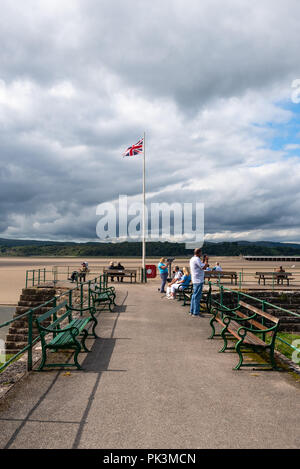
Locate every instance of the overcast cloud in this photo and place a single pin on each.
(209, 82)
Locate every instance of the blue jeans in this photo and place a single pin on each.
(163, 277)
(196, 298)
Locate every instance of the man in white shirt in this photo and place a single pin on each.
(197, 268)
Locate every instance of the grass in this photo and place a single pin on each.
(283, 348)
(7, 357)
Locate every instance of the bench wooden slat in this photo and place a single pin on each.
(233, 329)
(260, 312)
(251, 321)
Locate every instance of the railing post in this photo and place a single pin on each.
(240, 280)
(33, 278)
(26, 282)
(39, 276)
(81, 297)
(44, 274)
(89, 296)
(29, 352)
(221, 294)
(70, 298)
(263, 307)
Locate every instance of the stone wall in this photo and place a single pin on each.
(17, 337)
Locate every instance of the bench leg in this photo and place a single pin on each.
(85, 335)
(44, 358)
(211, 323)
(238, 350)
(77, 351)
(223, 332)
(272, 358)
(95, 323)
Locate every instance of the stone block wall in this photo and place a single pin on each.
(17, 337)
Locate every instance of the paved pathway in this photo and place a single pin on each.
(152, 381)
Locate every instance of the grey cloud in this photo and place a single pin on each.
(61, 157)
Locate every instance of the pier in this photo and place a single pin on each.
(152, 380)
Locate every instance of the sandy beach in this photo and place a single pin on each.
(13, 270)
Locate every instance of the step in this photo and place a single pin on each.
(15, 346)
(16, 337)
(16, 330)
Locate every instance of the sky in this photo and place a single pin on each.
(212, 83)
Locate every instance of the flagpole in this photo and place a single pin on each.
(144, 207)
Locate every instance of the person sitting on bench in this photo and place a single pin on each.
(217, 267)
(74, 276)
(180, 284)
(112, 267)
(178, 274)
(280, 277)
(120, 267)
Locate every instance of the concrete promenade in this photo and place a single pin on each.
(153, 380)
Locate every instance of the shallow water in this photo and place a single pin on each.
(6, 313)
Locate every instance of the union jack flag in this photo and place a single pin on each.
(135, 149)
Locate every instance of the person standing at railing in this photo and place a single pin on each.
(163, 271)
(83, 271)
(197, 268)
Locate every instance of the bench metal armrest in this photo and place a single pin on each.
(219, 307)
(238, 318)
(256, 331)
(58, 331)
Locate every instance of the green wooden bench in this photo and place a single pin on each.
(111, 291)
(246, 325)
(277, 277)
(68, 336)
(219, 275)
(105, 297)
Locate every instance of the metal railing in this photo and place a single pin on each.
(263, 304)
(100, 281)
(36, 277)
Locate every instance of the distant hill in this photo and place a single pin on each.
(34, 248)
